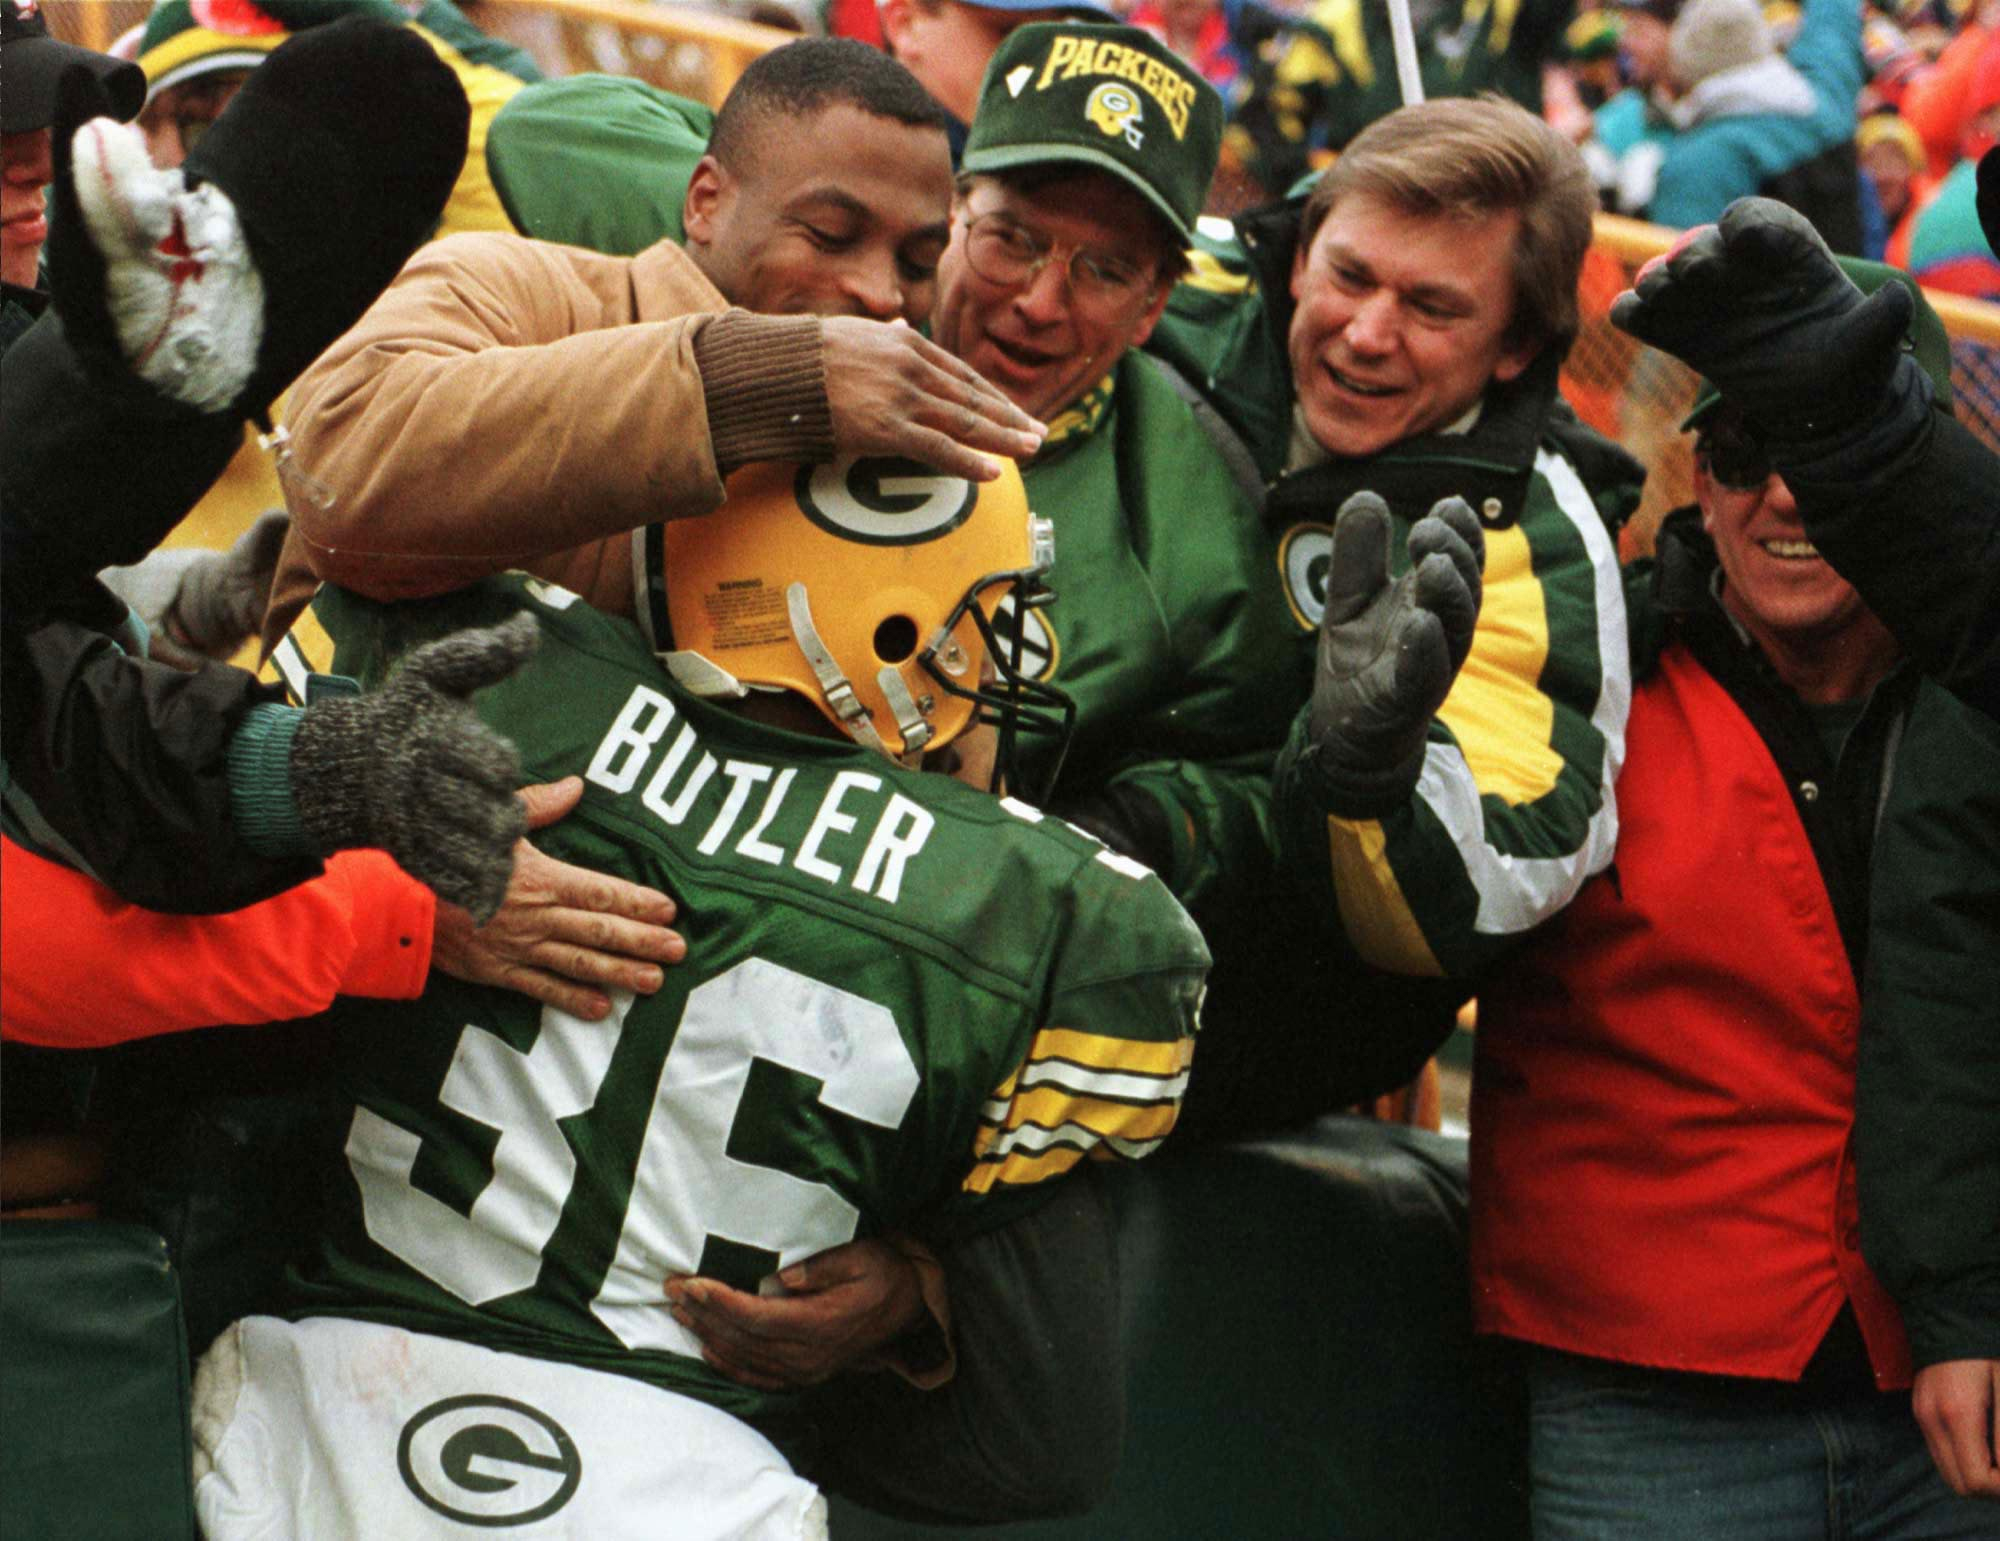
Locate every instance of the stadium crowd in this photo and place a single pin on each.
(813, 880)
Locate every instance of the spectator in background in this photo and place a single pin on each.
(947, 44)
(1947, 250)
(197, 54)
(35, 61)
(1745, 119)
(1894, 184)
(1807, 875)
(1331, 72)
(1197, 30)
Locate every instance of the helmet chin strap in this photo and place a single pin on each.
(840, 696)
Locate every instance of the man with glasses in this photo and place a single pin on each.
(1758, 1044)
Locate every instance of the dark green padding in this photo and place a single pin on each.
(93, 1385)
(1301, 1354)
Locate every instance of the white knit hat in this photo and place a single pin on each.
(1711, 36)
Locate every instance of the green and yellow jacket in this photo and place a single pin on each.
(1514, 808)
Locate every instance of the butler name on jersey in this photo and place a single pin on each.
(906, 1004)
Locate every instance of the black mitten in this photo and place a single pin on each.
(339, 154)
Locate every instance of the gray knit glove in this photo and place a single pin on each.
(1389, 649)
(199, 605)
(410, 769)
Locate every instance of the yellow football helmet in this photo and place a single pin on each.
(868, 586)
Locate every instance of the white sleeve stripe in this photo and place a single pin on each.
(1033, 1139)
(1119, 1086)
(1132, 1150)
(1517, 893)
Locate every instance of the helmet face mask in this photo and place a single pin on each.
(870, 587)
(1011, 699)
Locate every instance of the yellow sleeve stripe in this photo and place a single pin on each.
(1094, 1052)
(1501, 719)
(1208, 274)
(1373, 910)
(1020, 1170)
(1039, 1115)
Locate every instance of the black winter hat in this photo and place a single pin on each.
(339, 154)
(34, 62)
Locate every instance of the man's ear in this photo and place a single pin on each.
(1513, 360)
(895, 17)
(707, 188)
(1704, 494)
(1299, 255)
(1151, 317)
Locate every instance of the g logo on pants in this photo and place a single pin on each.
(488, 1461)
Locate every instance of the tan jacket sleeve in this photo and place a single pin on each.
(505, 401)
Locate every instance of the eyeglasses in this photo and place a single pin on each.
(1734, 455)
(1003, 251)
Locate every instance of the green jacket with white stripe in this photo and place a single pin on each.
(1514, 808)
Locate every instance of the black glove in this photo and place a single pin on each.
(409, 768)
(1129, 822)
(1389, 650)
(219, 281)
(1758, 305)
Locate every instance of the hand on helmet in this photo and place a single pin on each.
(894, 392)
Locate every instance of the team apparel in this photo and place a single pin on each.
(1513, 810)
(1170, 629)
(349, 1431)
(907, 1005)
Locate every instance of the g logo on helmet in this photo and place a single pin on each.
(488, 1461)
(1116, 111)
(882, 501)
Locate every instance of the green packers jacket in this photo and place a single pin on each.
(1514, 807)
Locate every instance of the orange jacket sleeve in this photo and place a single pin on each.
(84, 969)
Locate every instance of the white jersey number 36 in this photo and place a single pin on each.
(687, 1186)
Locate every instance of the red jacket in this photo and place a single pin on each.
(1663, 1107)
(84, 969)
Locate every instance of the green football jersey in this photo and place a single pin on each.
(906, 1005)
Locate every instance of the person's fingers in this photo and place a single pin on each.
(940, 451)
(560, 884)
(964, 383)
(554, 990)
(1441, 590)
(1764, 236)
(1882, 319)
(587, 966)
(595, 931)
(1423, 661)
(473, 659)
(1358, 564)
(548, 801)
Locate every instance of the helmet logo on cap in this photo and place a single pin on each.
(882, 501)
(1304, 557)
(1116, 111)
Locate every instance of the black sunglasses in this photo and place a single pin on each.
(1734, 455)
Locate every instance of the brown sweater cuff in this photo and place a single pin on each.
(764, 381)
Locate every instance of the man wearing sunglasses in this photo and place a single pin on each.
(1758, 1045)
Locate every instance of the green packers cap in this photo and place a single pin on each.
(1926, 338)
(1113, 98)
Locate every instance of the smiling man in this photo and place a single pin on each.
(617, 392)
(1399, 331)
(1804, 891)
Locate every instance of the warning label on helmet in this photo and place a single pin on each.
(744, 613)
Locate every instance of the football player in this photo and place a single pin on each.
(910, 1009)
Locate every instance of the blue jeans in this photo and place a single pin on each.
(1623, 1453)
